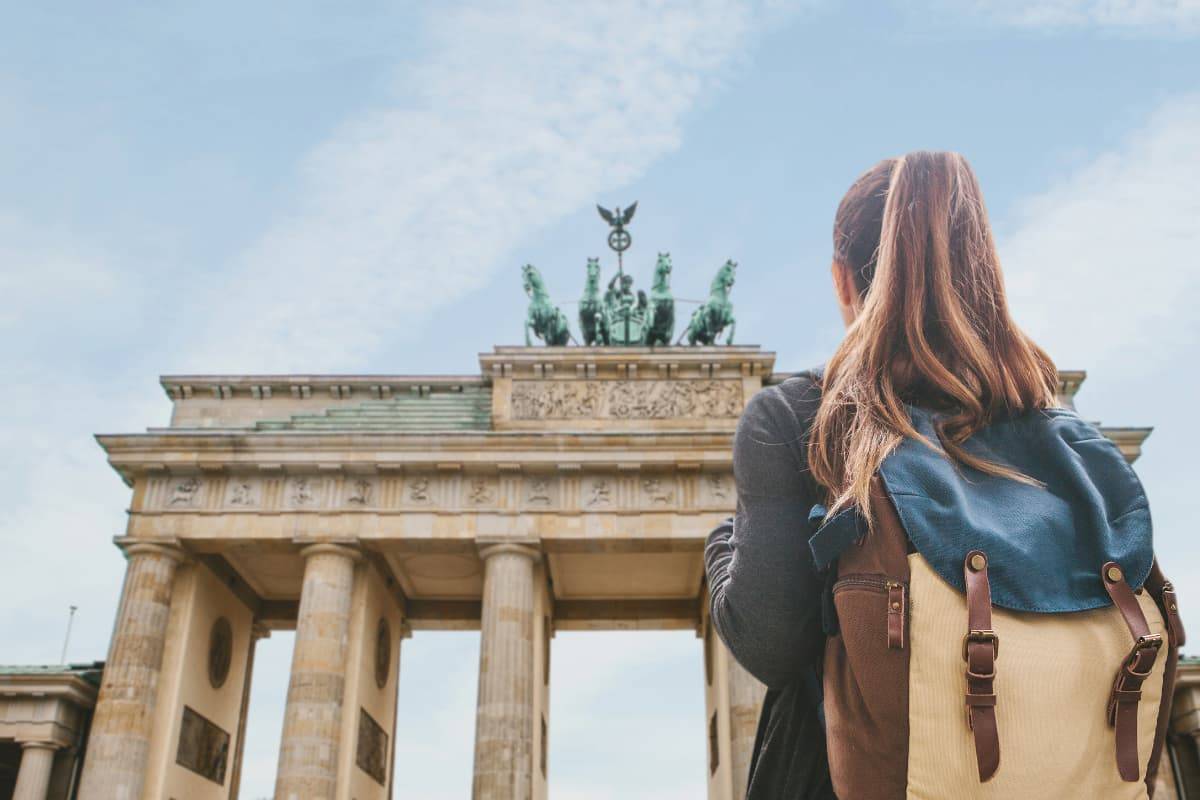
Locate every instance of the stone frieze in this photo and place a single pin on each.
(626, 399)
(440, 491)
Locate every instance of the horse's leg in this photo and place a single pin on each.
(528, 340)
(732, 326)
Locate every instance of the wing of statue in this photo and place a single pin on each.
(608, 217)
(627, 217)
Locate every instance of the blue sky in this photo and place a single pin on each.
(270, 187)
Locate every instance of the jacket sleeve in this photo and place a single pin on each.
(764, 590)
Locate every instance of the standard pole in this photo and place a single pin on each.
(67, 638)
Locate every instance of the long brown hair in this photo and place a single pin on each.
(933, 330)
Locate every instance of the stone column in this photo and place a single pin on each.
(308, 752)
(119, 742)
(33, 779)
(504, 712)
(745, 702)
(257, 631)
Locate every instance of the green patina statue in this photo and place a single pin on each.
(710, 319)
(623, 317)
(624, 312)
(543, 319)
(593, 326)
(662, 304)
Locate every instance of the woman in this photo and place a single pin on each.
(947, 504)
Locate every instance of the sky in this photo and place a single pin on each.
(270, 187)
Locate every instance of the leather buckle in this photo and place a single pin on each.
(984, 637)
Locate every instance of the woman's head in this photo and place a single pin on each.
(856, 229)
(928, 324)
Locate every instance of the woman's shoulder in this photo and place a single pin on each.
(785, 410)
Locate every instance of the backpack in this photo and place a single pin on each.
(988, 641)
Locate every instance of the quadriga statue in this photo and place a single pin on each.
(662, 304)
(716, 314)
(593, 325)
(543, 319)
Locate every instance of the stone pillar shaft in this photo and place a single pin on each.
(33, 779)
(119, 742)
(745, 702)
(308, 753)
(504, 714)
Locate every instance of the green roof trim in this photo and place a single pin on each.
(465, 409)
(89, 671)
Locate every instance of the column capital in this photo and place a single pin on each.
(522, 548)
(349, 550)
(38, 744)
(169, 548)
(259, 631)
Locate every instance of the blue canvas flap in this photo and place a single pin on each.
(1045, 546)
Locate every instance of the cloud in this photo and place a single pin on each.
(518, 114)
(1174, 15)
(1102, 270)
(1103, 264)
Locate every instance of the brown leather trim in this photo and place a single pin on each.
(866, 677)
(980, 649)
(1164, 594)
(895, 616)
(1137, 666)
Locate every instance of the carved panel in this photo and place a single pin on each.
(542, 399)
(480, 492)
(184, 492)
(243, 493)
(718, 490)
(303, 492)
(658, 491)
(418, 491)
(371, 756)
(599, 493)
(540, 491)
(203, 747)
(360, 493)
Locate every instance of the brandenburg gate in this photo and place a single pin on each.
(560, 488)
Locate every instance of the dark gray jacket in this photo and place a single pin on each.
(766, 593)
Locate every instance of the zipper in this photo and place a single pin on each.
(880, 583)
(896, 593)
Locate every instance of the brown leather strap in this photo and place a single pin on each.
(895, 615)
(1135, 668)
(980, 650)
(1164, 591)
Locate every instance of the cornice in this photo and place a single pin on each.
(338, 387)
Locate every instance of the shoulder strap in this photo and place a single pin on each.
(980, 649)
(1137, 666)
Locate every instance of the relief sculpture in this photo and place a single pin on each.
(626, 399)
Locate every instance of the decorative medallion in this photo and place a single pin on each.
(220, 652)
(383, 653)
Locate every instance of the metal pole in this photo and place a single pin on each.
(67, 639)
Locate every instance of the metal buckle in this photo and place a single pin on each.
(983, 636)
(1150, 640)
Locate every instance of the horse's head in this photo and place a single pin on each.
(534, 286)
(593, 270)
(662, 270)
(723, 281)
